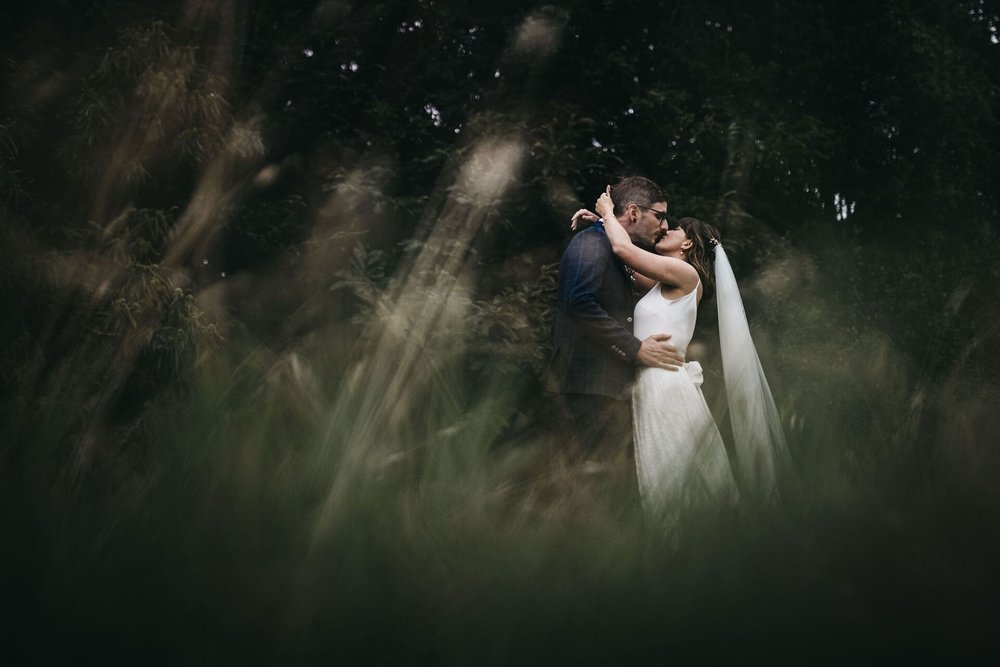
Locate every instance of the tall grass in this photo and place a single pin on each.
(370, 503)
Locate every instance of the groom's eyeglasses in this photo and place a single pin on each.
(660, 215)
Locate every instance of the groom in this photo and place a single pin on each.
(595, 354)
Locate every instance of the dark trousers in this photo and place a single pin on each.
(598, 436)
(599, 428)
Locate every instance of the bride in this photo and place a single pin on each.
(681, 461)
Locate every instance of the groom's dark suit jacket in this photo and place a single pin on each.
(594, 351)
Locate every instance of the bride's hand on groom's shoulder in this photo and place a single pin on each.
(582, 218)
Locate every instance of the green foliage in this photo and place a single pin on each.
(148, 100)
(14, 195)
(512, 328)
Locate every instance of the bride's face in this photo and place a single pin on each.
(672, 242)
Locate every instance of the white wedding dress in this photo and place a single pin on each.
(680, 458)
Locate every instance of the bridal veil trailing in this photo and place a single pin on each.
(761, 450)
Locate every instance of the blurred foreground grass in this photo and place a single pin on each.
(393, 487)
(368, 503)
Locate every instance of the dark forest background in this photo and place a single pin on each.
(276, 293)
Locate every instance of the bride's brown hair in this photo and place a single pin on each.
(701, 254)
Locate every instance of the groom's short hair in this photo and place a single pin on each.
(635, 190)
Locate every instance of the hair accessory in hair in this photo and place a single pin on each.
(712, 241)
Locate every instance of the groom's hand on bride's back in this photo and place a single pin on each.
(656, 351)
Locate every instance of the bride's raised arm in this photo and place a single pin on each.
(667, 270)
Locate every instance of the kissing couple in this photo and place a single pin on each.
(629, 289)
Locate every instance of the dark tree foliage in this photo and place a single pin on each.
(874, 123)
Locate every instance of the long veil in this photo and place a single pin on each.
(761, 450)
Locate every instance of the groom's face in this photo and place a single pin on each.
(650, 224)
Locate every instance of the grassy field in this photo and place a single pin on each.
(367, 501)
